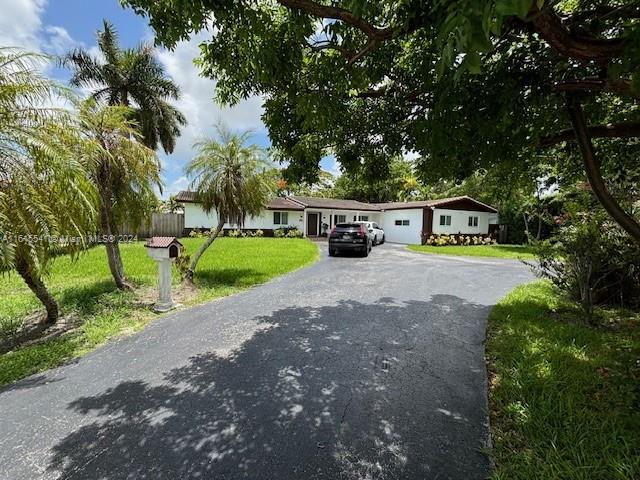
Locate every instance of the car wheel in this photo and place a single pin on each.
(375, 240)
(332, 253)
(365, 253)
(382, 239)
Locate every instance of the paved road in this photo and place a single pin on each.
(349, 369)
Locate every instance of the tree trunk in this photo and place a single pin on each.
(188, 277)
(539, 234)
(110, 237)
(594, 175)
(37, 286)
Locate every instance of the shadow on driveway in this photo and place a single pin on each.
(350, 391)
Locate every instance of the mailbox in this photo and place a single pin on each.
(164, 250)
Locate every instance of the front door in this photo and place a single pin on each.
(312, 224)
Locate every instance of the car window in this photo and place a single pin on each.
(375, 225)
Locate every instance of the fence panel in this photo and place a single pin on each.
(162, 225)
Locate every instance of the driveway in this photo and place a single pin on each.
(352, 368)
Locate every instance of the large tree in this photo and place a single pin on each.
(131, 78)
(468, 84)
(232, 179)
(46, 198)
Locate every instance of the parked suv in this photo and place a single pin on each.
(351, 237)
(376, 232)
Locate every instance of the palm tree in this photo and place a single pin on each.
(45, 194)
(124, 171)
(230, 177)
(133, 78)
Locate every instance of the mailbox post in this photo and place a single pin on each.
(164, 250)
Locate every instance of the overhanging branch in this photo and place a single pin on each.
(614, 130)
(551, 28)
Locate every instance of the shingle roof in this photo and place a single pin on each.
(277, 203)
(441, 202)
(186, 196)
(338, 204)
(299, 203)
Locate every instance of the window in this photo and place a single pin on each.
(280, 218)
(375, 225)
(473, 221)
(341, 218)
(402, 223)
(445, 220)
(398, 223)
(363, 218)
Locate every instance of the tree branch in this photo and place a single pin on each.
(589, 85)
(614, 130)
(338, 13)
(592, 168)
(551, 28)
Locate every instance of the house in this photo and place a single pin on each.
(403, 222)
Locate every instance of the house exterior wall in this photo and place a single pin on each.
(402, 233)
(195, 217)
(460, 221)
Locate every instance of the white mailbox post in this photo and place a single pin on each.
(164, 250)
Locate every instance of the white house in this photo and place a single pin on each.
(403, 222)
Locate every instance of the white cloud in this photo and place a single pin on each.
(20, 23)
(198, 106)
(181, 183)
(58, 40)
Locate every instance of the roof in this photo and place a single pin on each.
(277, 203)
(161, 242)
(441, 202)
(338, 204)
(300, 203)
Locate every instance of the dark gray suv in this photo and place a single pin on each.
(350, 237)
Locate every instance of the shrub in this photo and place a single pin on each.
(439, 240)
(234, 233)
(279, 233)
(593, 261)
(196, 233)
(294, 233)
(256, 233)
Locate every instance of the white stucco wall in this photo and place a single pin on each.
(402, 234)
(460, 221)
(194, 217)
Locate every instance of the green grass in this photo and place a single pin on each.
(564, 398)
(501, 251)
(86, 291)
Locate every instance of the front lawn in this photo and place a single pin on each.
(501, 251)
(88, 297)
(564, 398)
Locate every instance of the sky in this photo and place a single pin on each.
(57, 26)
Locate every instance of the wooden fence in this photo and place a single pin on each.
(162, 225)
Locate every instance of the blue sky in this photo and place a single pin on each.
(56, 26)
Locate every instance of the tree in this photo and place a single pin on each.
(467, 84)
(124, 172)
(133, 78)
(171, 205)
(46, 199)
(231, 178)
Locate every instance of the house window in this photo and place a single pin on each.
(445, 220)
(473, 221)
(402, 223)
(341, 219)
(280, 218)
(363, 218)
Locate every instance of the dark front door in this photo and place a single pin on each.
(312, 224)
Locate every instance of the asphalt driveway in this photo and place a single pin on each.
(349, 369)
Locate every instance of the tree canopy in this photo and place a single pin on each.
(468, 84)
